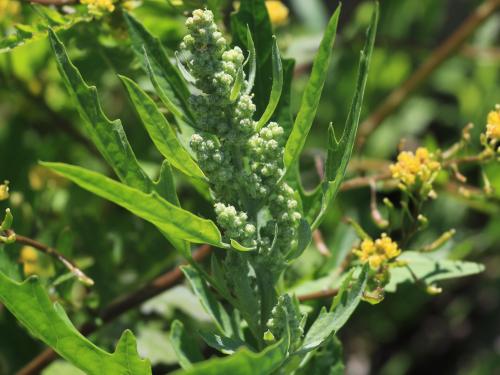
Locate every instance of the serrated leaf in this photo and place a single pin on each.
(161, 131)
(186, 349)
(30, 304)
(26, 33)
(154, 61)
(243, 362)
(213, 307)
(276, 88)
(108, 136)
(428, 270)
(151, 207)
(343, 306)
(312, 95)
(339, 152)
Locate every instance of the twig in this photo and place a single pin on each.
(438, 56)
(320, 244)
(327, 293)
(117, 308)
(375, 213)
(51, 2)
(54, 254)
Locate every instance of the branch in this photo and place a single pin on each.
(438, 56)
(52, 2)
(54, 254)
(118, 308)
(327, 293)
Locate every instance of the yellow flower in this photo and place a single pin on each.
(9, 8)
(29, 258)
(4, 191)
(377, 252)
(411, 168)
(99, 6)
(493, 124)
(278, 12)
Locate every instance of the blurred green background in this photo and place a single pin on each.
(456, 332)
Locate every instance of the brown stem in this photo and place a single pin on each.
(52, 2)
(327, 293)
(117, 308)
(320, 244)
(437, 57)
(54, 254)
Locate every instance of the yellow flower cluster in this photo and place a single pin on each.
(278, 12)
(99, 6)
(377, 252)
(29, 259)
(493, 124)
(4, 191)
(411, 167)
(9, 8)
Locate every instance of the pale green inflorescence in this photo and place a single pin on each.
(243, 165)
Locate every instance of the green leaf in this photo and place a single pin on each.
(312, 95)
(243, 362)
(252, 58)
(108, 136)
(38, 29)
(339, 152)
(167, 80)
(237, 246)
(213, 307)
(276, 88)
(253, 15)
(30, 304)
(343, 306)
(161, 131)
(169, 218)
(304, 239)
(428, 270)
(223, 344)
(186, 349)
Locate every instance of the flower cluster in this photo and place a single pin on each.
(377, 252)
(278, 12)
(285, 314)
(243, 163)
(9, 8)
(235, 224)
(4, 191)
(98, 7)
(412, 169)
(493, 125)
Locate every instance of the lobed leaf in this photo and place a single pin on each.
(339, 152)
(169, 218)
(164, 75)
(30, 304)
(108, 136)
(243, 362)
(312, 95)
(343, 306)
(161, 131)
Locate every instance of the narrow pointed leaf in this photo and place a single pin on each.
(344, 304)
(252, 58)
(186, 349)
(108, 136)
(276, 88)
(30, 304)
(312, 94)
(213, 307)
(160, 131)
(169, 218)
(155, 62)
(339, 152)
